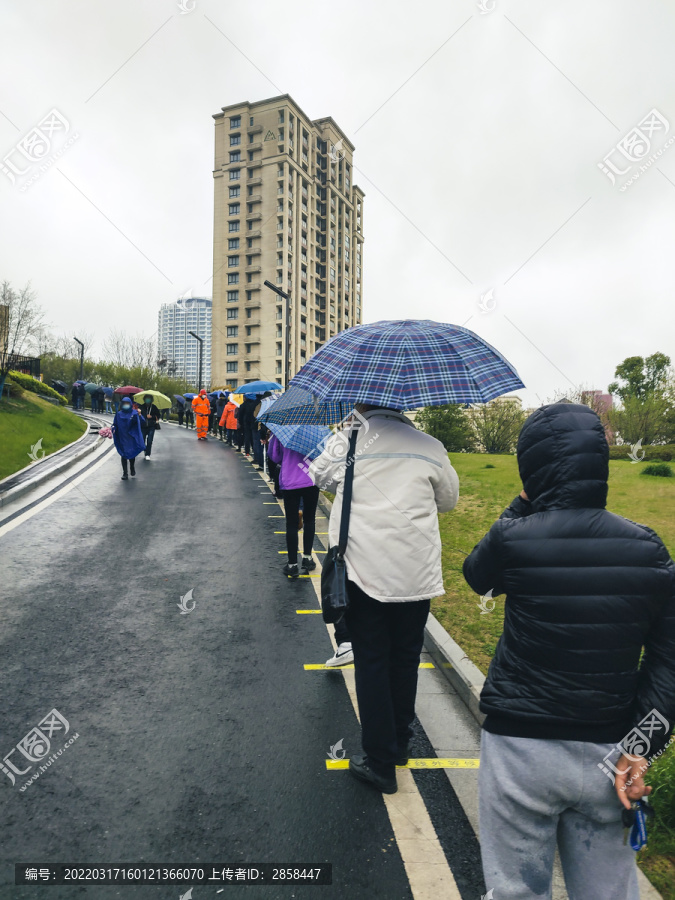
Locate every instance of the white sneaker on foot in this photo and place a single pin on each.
(343, 656)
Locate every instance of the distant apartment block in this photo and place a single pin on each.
(286, 210)
(178, 350)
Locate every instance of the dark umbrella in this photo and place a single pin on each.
(180, 399)
(128, 391)
(108, 391)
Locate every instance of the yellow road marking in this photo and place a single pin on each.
(278, 517)
(434, 762)
(316, 551)
(315, 666)
(283, 532)
(308, 612)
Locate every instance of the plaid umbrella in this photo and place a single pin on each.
(300, 407)
(405, 364)
(306, 439)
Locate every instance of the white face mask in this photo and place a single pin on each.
(126, 406)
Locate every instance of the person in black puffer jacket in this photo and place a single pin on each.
(567, 696)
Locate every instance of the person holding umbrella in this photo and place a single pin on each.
(221, 402)
(228, 421)
(149, 420)
(180, 407)
(402, 479)
(127, 435)
(202, 410)
(189, 415)
(297, 487)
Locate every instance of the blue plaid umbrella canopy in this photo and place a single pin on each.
(403, 364)
(306, 439)
(300, 407)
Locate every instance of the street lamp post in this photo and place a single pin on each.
(287, 301)
(201, 355)
(81, 356)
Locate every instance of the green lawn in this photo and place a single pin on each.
(484, 494)
(24, 420)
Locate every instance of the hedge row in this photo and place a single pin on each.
(665, 452)
(28, 383)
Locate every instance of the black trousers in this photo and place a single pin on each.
(310, 499)
(387, 641)
(148, 436)
(125, 463)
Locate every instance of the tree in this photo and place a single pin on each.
(449, 424)
(20, 322)
(496, 425)
(647, 395)
(593, 399)
(641, 377)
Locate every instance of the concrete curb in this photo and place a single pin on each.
(14, 493)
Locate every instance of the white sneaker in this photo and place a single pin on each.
(147, 459)
(343, 656)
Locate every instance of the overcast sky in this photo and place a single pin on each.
(478, 132)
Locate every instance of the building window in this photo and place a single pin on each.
(232, 296)
(249, 312)
(235, 121)
(235, 139)
(234, 209)
(232, 367)
(234, 226)
(235, 174)
(235, 191)
(233, 244)
(232, 349)
(233, 261)
(233, 278)
(250, 121)
(281, 116)
(235, 156)
(232, 330)
(233, 314)
(249, 295)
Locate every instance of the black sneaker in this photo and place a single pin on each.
(308, 564)
(359, 767)
(403, 757)
(291, 570)
(125, 477)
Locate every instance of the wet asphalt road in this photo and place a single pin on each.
(200, 736)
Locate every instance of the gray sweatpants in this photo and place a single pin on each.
(536, 793)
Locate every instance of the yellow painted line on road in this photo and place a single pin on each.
(268, 503)
(308, 612)
(312, 667)
(277, 517)
(283, 532)
(316, 551)
(435, 762)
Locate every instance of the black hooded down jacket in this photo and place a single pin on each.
(585, 589)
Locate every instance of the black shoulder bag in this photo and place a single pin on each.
(334, 598)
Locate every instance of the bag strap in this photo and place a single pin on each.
(347, 494)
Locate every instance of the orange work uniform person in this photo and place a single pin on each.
(202, 409)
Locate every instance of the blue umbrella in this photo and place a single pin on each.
(258, 387)
(189, 396)
(108, 391)
(406, 364)
(298, 406)
(306, 439)
(180, 399)
(219, 393)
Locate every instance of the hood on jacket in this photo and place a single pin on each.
(563, 458)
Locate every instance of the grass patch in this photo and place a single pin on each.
(25, 419)
(483, 497)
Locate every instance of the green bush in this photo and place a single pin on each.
(661, 469)
(28, 383)
(665, 452)
(489, 466)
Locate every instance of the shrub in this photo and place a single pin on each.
(661, 469)
(665, 452)
(28, 383)
(489, 466)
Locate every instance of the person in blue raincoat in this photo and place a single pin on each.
(128, 437)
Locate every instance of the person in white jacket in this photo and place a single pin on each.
(402, 479)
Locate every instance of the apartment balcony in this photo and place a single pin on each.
(254, 129)
(253, 251)
(252, 304)
(252, 217)
(253, 234)
(252, 340)
(254, 198)
(251, 269)
(253, 286)
(256, 146)
(254, 181)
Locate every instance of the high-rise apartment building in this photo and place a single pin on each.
(175, 343)
(287, 211)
